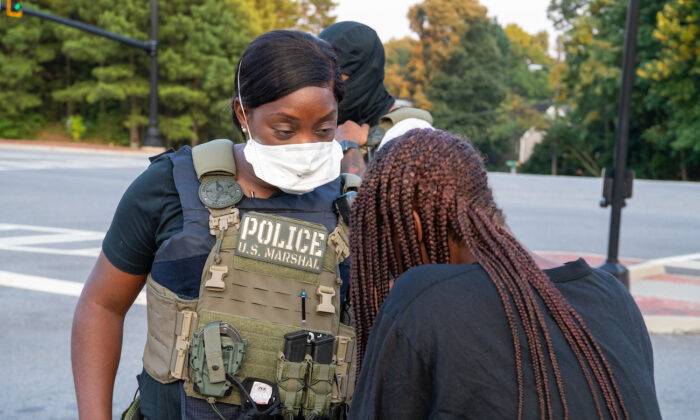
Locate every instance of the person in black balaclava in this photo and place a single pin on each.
(361, 58)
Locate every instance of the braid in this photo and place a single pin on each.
(443, 179)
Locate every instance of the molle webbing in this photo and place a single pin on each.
(265, 339)
(262, 301)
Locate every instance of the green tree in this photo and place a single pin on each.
(200, 46)
(527, 67)
(315, 15)
(467, 89)
(396, 77)
(117, 74)
(675, 73)
(590, 85)
(24, 51)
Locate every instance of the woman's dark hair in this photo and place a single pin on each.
(280, 62)
(443, 179)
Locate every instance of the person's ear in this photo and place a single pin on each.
(238, 112)
(419, 234)
(419, 227)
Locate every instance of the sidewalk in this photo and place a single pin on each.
(667, 290)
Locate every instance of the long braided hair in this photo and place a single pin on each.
(443, 179)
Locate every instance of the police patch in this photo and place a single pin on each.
(281, 240)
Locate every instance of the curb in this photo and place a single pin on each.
(81, 148)
(680, 264)
(659, 324)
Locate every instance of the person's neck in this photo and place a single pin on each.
(459, 252)
(245, 176)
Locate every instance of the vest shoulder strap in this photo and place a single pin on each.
(394, 117)
(215, 156)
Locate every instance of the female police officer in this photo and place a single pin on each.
(239, 250)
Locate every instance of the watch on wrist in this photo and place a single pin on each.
(348, 144)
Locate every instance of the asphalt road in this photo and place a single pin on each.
(55, 207)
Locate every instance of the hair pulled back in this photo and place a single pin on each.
(281, 62)
(444, 180)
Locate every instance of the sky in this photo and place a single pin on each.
(389, 17)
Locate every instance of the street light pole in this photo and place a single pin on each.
(153, 134)
(621, 179)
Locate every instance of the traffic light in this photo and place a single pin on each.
(14, 8)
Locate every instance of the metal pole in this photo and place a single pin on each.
(89, 28)
(153, 134)
(612, 265)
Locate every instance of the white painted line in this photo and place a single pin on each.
(34, 228)
(51, 239)
(86, 252)
(28, 243)
(49, 285)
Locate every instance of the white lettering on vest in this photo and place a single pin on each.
(245, 232)
(261, 232)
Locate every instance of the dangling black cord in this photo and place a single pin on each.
(253, 411)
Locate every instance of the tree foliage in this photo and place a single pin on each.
(474, 75)
(675, 76)
(663, 135)
(52, 72)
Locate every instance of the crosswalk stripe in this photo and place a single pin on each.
(49, 285)
(85, 252)
(51, 235)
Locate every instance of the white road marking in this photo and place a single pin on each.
(49, 285)
(52, 235)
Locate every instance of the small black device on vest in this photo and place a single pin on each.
(342, 205)
(295, 345)
(322, 349)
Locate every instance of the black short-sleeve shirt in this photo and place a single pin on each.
(148, 213)
(441, 348)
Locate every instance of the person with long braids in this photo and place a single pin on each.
(473, 327)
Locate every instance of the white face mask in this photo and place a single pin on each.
(295, 168)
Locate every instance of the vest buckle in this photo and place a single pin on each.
(216, 282)
(325, 294)
(222, 223)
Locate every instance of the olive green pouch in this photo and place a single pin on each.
(213, 355)
(317, 401)
(133, 412)
(291, 382)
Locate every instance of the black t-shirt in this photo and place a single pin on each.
(441, 347)
(148, 213)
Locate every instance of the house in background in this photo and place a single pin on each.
(533, 136)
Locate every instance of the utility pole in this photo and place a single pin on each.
(617, 182)
(153, 134)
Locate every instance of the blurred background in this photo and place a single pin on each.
(532, 83)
